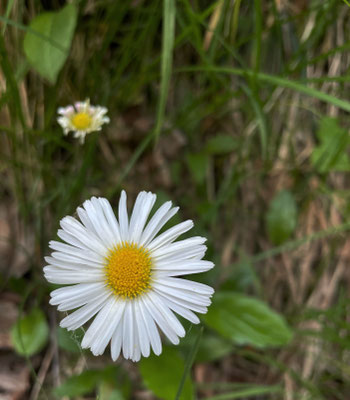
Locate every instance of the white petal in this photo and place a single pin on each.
(128, 337)
(159, 219)
(76, 229)
(194, 253)
(97, 218)
(136, 350)
(184, 312)
(123, 217)
(67, 276)
(158, 317)
(141, 328)
(142, 208)
(185, 284)
(83, 314)
(63, 261)
(170, 235)
(167, 314)
(112, 220)
(116, 342)
(84, 218)
(78, 252)
(151, 328)
(184, 302)
(183, 267)
(195, 298)
(76, 257)
(104, 326)
(98, 325)
(70, 297)
(178, 247)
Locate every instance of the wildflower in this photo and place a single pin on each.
(82, 119)
(127, 275)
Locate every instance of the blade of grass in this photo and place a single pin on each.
(189, 362)
(260, 118)
(275, 80)
(169, 12)
(293, 244)
(236, 6)
(7, 69)
(137, 154)
(248, 392)
(257, 36)
(7, 13)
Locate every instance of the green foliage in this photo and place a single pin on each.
(213, 75)
(48, 41)
(246, 320)
(30, 333)
(211, 346)
(105, 380)
(330, 154)
(162, 374)
(281, 218)
(69, 341)
(198, 164)
(221, 144)
(108, 391)
(78, 385)
(247, 391)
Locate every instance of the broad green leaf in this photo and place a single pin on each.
(331, 152)
(242, 277)
(162, 374)
(221, 144)
(48, 48)
(30, 334)
(78, 385)
(213, 348)
(69, 341)
(281, 217)
(247, 320)
(198, 164)
(107, 391)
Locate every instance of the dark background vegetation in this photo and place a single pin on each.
(238, 112)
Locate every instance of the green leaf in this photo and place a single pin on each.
(281, 217)
(246, 320)
(211, 346)
(198, 164)
(78, 385)
(331, 152)
(30, 334)
(162, 374)
(69, 341)
(221, 144)
(107, 391)
(48, 40)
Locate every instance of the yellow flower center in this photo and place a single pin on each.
(128, 270)
(81, 121)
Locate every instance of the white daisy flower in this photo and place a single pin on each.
(127, 277)
(82, 119)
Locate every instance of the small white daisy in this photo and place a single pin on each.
(127, 275)
(82, 119)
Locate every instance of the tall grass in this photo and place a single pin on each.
(218, 106)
